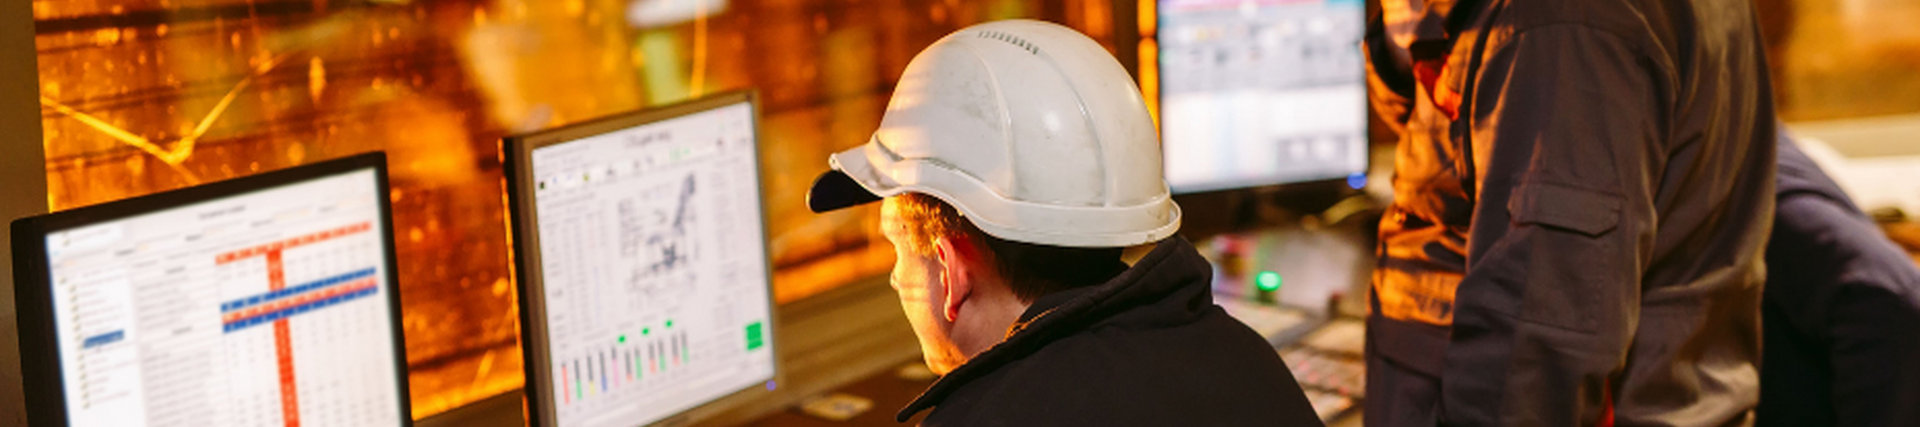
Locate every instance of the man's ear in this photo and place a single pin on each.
(958, 261)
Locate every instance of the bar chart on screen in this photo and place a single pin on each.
(625, 368)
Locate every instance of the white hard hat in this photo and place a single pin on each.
(1030, 129)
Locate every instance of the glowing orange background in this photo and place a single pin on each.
(141, 96)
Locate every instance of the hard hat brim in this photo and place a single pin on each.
(871, 172)
(835, 190)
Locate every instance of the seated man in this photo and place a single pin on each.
(1016, 159)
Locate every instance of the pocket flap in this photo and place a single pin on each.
(1589, 212)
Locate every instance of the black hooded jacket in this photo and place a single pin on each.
(1148, 348)
(1840, 307)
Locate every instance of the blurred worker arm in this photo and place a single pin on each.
(1391, 86)
(1851, 294)
(1567, 138)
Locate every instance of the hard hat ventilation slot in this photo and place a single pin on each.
(1009, 39)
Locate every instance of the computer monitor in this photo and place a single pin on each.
(261, 301)
(1261, 93)
(640, 244)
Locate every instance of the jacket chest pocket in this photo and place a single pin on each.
(1570, 256)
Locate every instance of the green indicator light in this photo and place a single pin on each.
(623, 339)
(669, 323)
(646, 331)
(1267, 281)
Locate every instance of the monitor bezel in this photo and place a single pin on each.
(524, 222)
(1220, 186)
(33, 296)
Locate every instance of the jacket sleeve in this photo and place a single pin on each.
(1837, 279)
(1567, 133)
(1390, 89)
(1875, 380)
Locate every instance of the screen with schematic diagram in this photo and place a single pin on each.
(1260, 93)
(653, 277)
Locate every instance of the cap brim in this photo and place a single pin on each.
(836, 190)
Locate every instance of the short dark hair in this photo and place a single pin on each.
(1031, 270)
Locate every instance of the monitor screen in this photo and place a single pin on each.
(652, 289)
(267, 307)
(1259, 93)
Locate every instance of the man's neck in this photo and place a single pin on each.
(996, 315)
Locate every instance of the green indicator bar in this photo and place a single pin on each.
(756, 336)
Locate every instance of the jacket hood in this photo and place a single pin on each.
(1169, 286)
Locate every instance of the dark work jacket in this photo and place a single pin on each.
(1842, 311)
(1582, 197)
(1147, 348)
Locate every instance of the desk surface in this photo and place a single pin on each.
(888, 391)
(1907, 235)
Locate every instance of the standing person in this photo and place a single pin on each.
(1582, 197)
(1016, 160)
(1841, 310)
